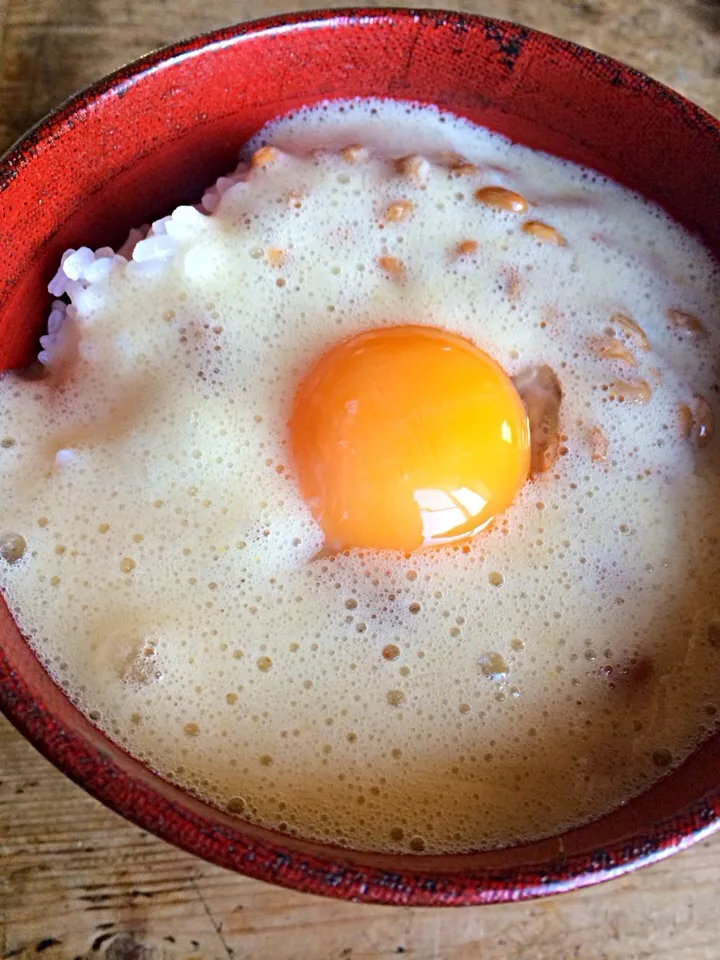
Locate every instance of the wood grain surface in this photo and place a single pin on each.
(76, 881)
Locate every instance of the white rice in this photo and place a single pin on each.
(145, 249)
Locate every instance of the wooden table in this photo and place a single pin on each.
(78, 882)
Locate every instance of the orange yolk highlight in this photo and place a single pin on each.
(407, 436)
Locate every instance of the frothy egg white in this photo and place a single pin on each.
(161, 562)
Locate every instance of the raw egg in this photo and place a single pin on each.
(407, 436)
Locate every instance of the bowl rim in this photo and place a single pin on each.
(177, 817)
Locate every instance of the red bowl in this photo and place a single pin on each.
(151, 136)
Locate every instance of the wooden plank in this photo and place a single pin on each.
(75, 873)
(78, 882)
(40, 68)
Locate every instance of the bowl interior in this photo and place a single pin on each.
(153, 136)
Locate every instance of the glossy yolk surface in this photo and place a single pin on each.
(407, 436)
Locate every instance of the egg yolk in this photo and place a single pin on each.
(407, 436)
